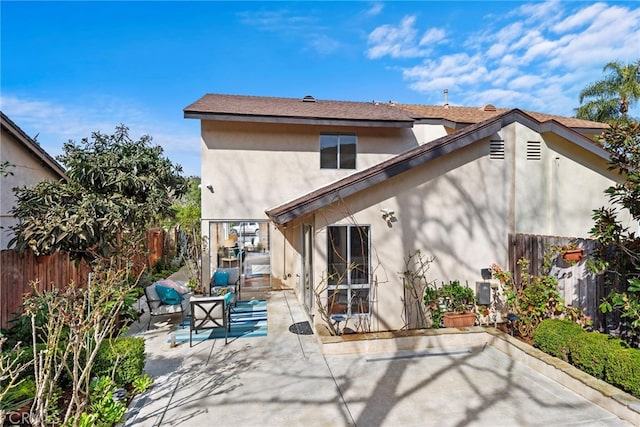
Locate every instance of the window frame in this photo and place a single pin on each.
(340, 153)
(335, 287)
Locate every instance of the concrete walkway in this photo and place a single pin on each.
(285, 380)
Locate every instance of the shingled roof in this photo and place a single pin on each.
(296, 110)
(308, 110)
(418, 156)
(464, 116)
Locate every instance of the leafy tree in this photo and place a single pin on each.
(619, 253)
(4, 169)
(116, 187)
(610, 99)
(188, 212)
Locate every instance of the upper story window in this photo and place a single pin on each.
(338, 151)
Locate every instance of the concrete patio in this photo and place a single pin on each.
(284, 379)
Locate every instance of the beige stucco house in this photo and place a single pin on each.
(29, 164)
(344, 192)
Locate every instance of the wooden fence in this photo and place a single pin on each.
(19, 270)
(577, 285)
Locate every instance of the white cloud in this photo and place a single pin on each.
(450, 72)
(537, 13)
(290, 25)
(499, 76)
(497, 50)
(524, 82)
(402, 41)
(433, 35)
(375, 9)
(582, 18)
(323, 44)
(539, 54)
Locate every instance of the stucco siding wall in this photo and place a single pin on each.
(459, 208)
(27, 170)
(556, 194)
(253, 167)
(427, 133)
(449, 210)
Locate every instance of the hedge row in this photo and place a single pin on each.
(600, 355)
(122, 358)
(124, 355)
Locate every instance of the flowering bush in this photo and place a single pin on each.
(534, 299)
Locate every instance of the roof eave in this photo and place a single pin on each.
(317, 121)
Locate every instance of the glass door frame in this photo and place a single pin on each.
(307, 267)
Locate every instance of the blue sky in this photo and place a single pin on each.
(71, 68)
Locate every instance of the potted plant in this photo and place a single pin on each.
(573, 254)
(193, 286)
(458, 303)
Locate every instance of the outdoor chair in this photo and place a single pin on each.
(228, 278)
(210, 313)
(159, 306)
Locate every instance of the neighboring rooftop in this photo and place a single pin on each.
(463, 116)
(31, 145)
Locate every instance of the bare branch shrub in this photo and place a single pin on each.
(417, 311)
(79, 320)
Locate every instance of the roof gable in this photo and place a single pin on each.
(418, 156)
(31, 145)
(307, 110)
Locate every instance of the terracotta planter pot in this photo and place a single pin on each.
(573, 255)
(459, 320)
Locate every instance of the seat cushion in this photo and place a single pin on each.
(180, 288)
(234, 274)
(220, 278)
(168, 295)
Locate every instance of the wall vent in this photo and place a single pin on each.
(534, 151)
(496, 149)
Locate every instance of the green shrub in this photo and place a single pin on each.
(553, 336)
(623, 370)
(590, 352)
(121, 359)
(18, 395)
(103, 410)
(142, 384)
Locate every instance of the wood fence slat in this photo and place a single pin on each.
(20, 269)
(577, 285)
